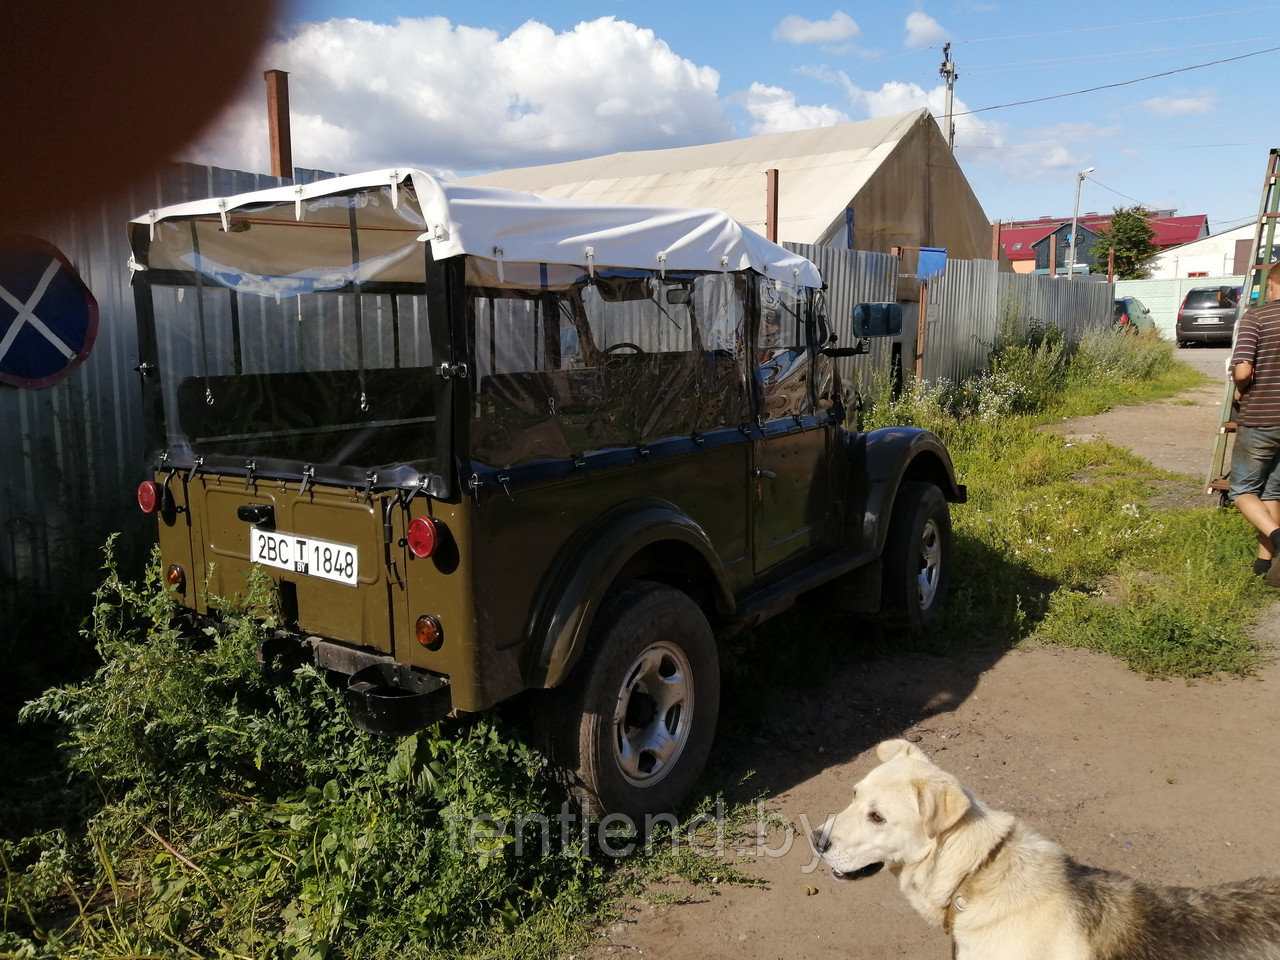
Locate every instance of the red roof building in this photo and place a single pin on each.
(1021, 239)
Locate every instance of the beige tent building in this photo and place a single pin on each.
(891, 181)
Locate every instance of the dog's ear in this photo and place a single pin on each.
(889, 749)
(942, 803)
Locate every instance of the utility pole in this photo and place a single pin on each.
(1075, 223)
(948, 71)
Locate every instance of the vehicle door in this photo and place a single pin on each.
(794, 508)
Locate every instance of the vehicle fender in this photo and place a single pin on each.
(591, 560)
(884, 460)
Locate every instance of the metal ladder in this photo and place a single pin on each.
(1255, 286)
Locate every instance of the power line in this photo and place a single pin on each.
(1144, 205)
(1098, 59)
(1120, 83)
(1148, 206)
(1118, 26)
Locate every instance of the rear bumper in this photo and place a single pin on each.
(382, 695)
(1205, 334)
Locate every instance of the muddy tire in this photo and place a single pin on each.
(917, 557)
(633, 725)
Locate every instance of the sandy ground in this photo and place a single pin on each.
(1169, 781)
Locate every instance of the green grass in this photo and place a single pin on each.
(195, 810)
(1061, 543)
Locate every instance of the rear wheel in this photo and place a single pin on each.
(632, 728)
(917, 557)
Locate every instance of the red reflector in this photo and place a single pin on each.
(148, 496)
(430, 634)
(422, 536)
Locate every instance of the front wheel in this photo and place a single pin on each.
(633, 726)
(917, 557)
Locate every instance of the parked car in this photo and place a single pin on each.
(484, 443)
(1208, 315)
(1132, 314)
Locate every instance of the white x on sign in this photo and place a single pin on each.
(26, 314)
(48, 316)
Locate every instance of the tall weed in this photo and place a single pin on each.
(233, 817)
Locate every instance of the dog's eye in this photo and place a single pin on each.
(875, 817)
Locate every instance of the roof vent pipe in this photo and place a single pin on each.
(278, 123)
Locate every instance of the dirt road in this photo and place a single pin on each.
(1170, 781)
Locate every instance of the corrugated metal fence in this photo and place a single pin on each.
(71, 453)
(964, 308)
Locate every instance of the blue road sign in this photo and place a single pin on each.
(48, 317)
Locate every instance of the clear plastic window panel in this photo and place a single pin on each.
(297, 340)
(783, 367)
(597, 362)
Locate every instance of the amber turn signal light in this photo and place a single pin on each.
(430, 633)
(176, 578)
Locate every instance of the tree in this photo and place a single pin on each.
(1129, 233)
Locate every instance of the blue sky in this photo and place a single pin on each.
(461, 88)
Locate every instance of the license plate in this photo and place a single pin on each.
(1207, 320)
(305, 555)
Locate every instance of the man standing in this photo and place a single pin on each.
(1255, 457)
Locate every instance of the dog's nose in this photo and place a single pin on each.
(821, 843)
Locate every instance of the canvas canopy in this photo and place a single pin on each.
(870, 185)
(510, 226)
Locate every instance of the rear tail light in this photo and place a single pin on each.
(422, 536)
(149, 496)
(430, 633)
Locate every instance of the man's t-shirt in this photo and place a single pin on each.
(1258, 343)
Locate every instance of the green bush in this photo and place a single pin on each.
(235, 817)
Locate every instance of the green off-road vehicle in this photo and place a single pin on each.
(485, 443)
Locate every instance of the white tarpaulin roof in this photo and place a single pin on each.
(507, 225)
(895, 174)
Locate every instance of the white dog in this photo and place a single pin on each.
(1003, 893)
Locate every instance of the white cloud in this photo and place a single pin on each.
(922, 30)
(775, 111)
(1179, 106)
(896, 97)
(839, 26)
(1053, 154)
(454, 98)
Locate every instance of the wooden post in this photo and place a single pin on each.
(995, 239)
(921, 316)
(1111, 264)
(771, 204)
(278, 123)
(1053, 254)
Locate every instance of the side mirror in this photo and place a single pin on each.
(877, 320)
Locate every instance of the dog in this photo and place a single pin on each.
(1001, 892)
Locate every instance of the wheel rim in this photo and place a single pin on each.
(653, 714)
(930, 571)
